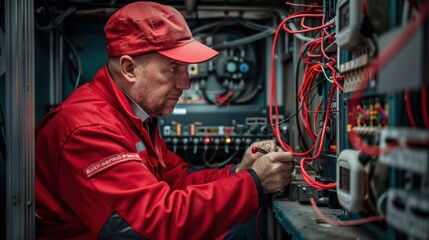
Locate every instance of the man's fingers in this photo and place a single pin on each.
(283, 157)
(268, 145)
(279, 149)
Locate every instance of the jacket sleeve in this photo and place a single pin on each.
(100, 177)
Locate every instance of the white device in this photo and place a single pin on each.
(350, 181)
(348, 18)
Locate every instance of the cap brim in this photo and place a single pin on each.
(192, 52)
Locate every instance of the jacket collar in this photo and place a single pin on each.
(105, 85)
(137, 110)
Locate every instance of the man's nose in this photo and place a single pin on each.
(183, 82)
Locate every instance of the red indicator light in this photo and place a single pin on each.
(207, 140)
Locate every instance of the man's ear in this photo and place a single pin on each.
(128, 68)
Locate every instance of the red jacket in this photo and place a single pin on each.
(98, 175)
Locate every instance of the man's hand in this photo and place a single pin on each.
(249, 158)
(274, 170)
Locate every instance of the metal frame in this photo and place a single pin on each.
(19, 29)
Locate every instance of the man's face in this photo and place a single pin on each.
(160, 82)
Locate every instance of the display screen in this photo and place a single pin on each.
(345, 179)
(344, 15)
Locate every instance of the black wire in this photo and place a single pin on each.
(300, 134)
(205, 96)
(2, 138)
(57, 26)
(311, 101)
(223, 163)
(191, 165)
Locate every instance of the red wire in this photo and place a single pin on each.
(307, 178)
(345, 223)
(273, 99)
(310, 73)
(365, 113)
(315, 118)
(372, 69)
(424, 106)
(334, 73)
(309, 76)
(407, 99)
(257, 223)
(309, 15)
(381, 110)
(364, 7)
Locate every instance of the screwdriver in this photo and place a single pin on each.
(256, 149)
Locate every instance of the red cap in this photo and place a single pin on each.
(147, 27)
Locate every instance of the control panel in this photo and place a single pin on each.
(208, 135)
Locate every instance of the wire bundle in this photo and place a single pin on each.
(316, 60)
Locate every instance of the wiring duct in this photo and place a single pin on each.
(314, 64)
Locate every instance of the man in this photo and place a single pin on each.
(102, 170)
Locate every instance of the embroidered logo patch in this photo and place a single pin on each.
(109, 162)
(140, 147)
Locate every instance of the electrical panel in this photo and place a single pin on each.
(377, 120)
(217, 137)
(364, 146)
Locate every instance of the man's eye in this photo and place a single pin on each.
(173, 69)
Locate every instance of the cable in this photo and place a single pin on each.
(185, 157)
(313, 59)
(203, 88)
(79, 63)
(306, 177)
(324, 74)
(212, 156)
(55, 23)
(300, 135)
(244, 40)
(273, 97)
(303, 5)
(423, 96)
(407, 98)
(258, 215)
(225, 162)
(380, 201)
(311, 101)
(309, 15)
(345, 223)
(2, 138)
(230, 22)
(298, 35)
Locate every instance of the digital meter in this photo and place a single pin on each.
(348, 18)
(350, 181)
